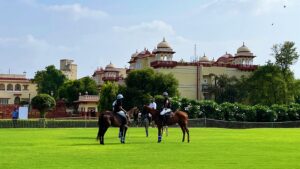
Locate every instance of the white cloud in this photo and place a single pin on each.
(155, 26)
(77, 11)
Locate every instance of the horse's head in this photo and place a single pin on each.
(133, 112)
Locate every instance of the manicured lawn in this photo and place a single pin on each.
(209, 148)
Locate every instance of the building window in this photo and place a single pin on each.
(10, 87)
(2, 87)
(17, 100)
(25, 87)
(3, 101)
(17, 87)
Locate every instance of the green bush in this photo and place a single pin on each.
(176, 103)
(184, 104)
(210, 109)
(281, 111)
(229, 110)
(245, 113)
(193, 109)
(294, 111)
(265, 114)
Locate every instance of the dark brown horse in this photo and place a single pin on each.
(179, 117)
(107, 119)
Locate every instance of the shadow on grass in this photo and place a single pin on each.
(81, 138)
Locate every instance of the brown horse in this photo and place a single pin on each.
(107, 119)
(179, 117)
(134, 114)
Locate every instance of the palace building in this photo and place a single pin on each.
(195, 78)
(16, 88)
(109, 73)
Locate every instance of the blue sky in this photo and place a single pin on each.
(37, 33)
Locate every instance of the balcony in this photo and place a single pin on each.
(88, 98)
(206, 88)
(116, 78)
(168, 64)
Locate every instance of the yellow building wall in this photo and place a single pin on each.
(186, 76)
(84, 107)
(224, 71)
(23, 94)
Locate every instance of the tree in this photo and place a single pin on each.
(142, 84)
(70, 90)
(154, 83)
(49, 80)
(285, 55)
(229, 89)
(108, 94)
(267, 86)
(43, 102)
(297, 91)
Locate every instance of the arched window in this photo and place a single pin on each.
(17, 87)
(10, 87)
(2, 87)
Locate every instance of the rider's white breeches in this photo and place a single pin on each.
(164, 111)
(121, 113)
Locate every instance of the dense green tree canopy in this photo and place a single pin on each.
(267, 86)
(43, 102)
(143, 84)
(70, 90)
(108, 94)
(49, 80)
(154, 83)
(229, 89)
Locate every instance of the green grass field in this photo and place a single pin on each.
(209, 148)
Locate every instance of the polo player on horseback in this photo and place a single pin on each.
(120, 112)
(166, 109)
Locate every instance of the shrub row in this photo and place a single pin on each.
(237, 112)
(50, 123)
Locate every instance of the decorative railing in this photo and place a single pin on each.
(88, 98)
(158, 64)
(117, 78)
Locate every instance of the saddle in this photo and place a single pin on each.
(120, 118)
(166, 117)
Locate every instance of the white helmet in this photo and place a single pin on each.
(165, 94)
(120, 96)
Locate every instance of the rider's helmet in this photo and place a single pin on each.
(120, 96)
(165, 94)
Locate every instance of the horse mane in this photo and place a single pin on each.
(154, 112)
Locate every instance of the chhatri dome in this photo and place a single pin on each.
(204, 58)
(243, 49)
(163, 44)
(110, 65)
